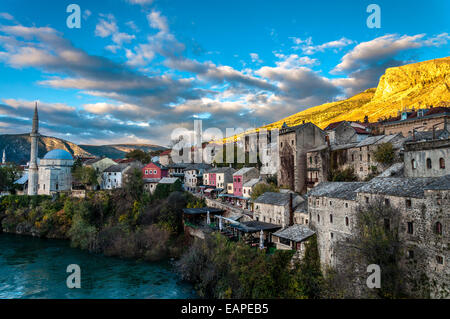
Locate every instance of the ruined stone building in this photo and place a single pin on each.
(293, 144)
(427, 158)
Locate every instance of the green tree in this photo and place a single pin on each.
(385, 154)
(86, 175)
(139, 155)
(8, 174)
(134, 183)
(261, 188)
(346, 175)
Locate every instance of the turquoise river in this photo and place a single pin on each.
(36, 268)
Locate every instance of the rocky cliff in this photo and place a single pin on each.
(414, 85)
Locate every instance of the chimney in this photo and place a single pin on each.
(291, 211)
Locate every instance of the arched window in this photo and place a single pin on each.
(413, 164)
(438, 228)
(346, 221)
(428, 163)
(441, 163)
(331, 218)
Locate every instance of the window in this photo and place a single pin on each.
(438, 228)
(353, 158)
(281, 144)
(441, 163)
(315, 159)
(332, 235)
(318, 218)
(361, 169)
(346, 221)
(292, 142)
(386, 202)
(360, 157)
(56, 186)
(367, 199)
(429, 163)
(410, 254)
(368, 157)
(346, 205)
(330, 202)
(440, 260)
(410, 228)
(387, 224)
(310, 160)
(331, 218)
(146, 172)
(408, 203)
(413, 164)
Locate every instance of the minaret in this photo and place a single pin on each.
(4, 157)
(33, 169)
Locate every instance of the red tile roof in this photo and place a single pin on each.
(166, 152)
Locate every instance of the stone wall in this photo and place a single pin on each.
(417, 154)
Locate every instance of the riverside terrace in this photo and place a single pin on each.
(201, 221)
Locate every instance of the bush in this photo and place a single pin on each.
(260, 189)
(346, 175)
(385, 154)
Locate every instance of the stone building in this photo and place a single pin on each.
(427, 158)
(317, 166)
(332, 208)
(115, 175)
(55, 172)
(423, 204)
(150, 184)
(270, 159)
(276, 208)
(293, 144)
(177, 170)
(345, 132)
(359, 156)
(247, 188)
(421, 119)
(422, 216)
(293, 238)
(193, 176)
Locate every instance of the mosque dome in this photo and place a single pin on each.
(58, 154)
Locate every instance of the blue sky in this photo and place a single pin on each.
(138, 69)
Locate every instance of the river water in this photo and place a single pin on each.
(36, 268)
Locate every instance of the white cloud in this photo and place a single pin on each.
(6, 16)
(157, 21)
(255, 58)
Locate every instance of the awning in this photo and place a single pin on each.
(22, 180)
(209, 190)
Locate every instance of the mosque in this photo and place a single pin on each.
(53, 173)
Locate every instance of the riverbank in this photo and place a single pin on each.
(33, 267)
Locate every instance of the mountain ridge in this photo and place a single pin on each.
(17, 147)
(418, 85)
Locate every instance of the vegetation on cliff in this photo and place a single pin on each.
(220, 268)
(124, 222)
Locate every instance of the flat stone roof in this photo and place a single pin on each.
(342, 190)
(297, 233)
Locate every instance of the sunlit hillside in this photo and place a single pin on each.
(414, 85)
